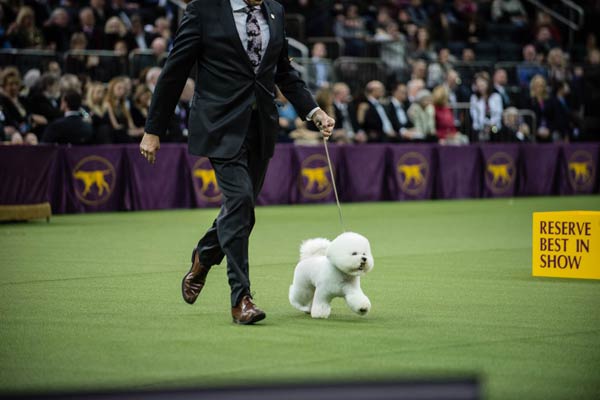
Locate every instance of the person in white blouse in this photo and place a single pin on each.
(485, 108)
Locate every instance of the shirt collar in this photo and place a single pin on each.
(238, 5)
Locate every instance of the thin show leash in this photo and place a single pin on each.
(337, 199)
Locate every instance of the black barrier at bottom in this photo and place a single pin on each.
(448, 389)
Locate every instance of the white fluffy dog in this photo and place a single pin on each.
(331, 269)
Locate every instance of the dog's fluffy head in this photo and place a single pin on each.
(351, 254)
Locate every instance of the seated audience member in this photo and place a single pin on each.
(500, 80)
(513, 130)
(93, 34)
(392, 44)
(70, 81)
(122, 128)
(115, 30)
(558, 67)
(18, 122)
(57, 30)
(72, 128)
(444, 119)
(530, 66)
(485, 108)
(541, 106)
(509, 11)
(351, 27)
(437, 71)
(93, 105)
(413, 87)
(397, 109)
(23, 34)
(319, 69)
(563, 118)
(142, 38)
(152, 77)
(287, 117)
(346, 128)
(177, 131)
(44, 98)
(141, 104)
(373, 117)
(422, 115)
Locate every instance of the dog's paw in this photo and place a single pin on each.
(320, 312)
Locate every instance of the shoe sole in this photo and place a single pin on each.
(183, 291)
(254, 320)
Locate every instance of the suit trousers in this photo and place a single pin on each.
(240, 180)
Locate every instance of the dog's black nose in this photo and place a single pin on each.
(364, 258)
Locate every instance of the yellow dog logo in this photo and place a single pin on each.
(205, 181)
(581, 170)
(412, 173)
(94, 180)
(91, 178)
(208, 177)
(500, 173)
(316, 177)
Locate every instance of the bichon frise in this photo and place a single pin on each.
(329, 269)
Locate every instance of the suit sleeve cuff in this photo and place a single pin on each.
(311, 113)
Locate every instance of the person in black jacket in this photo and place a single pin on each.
(72, 128)
(240, 49)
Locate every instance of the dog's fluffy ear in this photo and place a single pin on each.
(314, 247)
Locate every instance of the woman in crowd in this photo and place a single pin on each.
(17, 121)
(23, 33)
(141, 104)
(444, 118)
(513, 129)
(540, 105)
(485, 107)
(121, 124)
(422, 115)
(93, 105)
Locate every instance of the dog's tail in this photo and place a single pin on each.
(314, 247)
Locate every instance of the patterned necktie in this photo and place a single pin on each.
(254, 46)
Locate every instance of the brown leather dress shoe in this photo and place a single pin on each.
(194, 281)
(246, 312)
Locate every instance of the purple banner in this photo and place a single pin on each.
(500, 163)
(279, 180)
(160, 185)
(112, 178)
(206, 192)
(538, 170)
(25, 174)
(313, 177)
(411, 172)
(579, 168)
(459, 172)
(94, 180)
(362, 176)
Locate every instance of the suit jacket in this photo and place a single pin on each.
(72, 129)
(227, 87)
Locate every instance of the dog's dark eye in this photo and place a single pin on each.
(355, 253)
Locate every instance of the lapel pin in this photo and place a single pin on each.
(272, 16)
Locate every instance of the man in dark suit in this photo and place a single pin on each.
(397, 110)
(240, 50)
(376, 122)
(70, 129)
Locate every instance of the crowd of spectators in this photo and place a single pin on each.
(435, 88)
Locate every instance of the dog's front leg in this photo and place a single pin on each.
(320, 306)
(357, 301)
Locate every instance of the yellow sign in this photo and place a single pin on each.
(566, 244)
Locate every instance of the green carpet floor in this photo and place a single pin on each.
(93, 302)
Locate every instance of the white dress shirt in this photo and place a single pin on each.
(240, 15)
